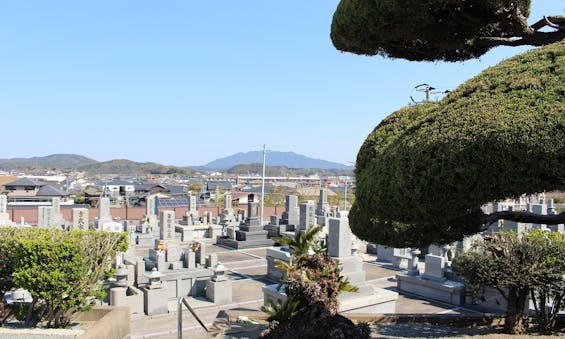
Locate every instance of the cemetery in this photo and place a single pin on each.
(218, 264)
(452, 230)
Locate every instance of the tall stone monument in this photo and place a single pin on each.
(103, 211)
(307, 215)
(80, 219)
(105, 222)
(323, 206)
(291, 214)
(44, 216)
(227, 201)
(167, 230)
(339, 247)
(56, 215)
(151, 205)
(4, 215)
(192, 211)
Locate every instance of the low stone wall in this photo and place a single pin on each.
(100, 322)
(433, 319)
(110, 322)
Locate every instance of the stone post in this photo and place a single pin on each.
(413, 263)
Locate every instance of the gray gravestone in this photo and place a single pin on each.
(104, 210)
(274, 220)
(339, 242)
(192, 206)
(227, 201)
(323, 206)
(167, 225)
(292, 212)
(434, 268)
(3, 203)
(80, 219)
(307, 215)
(44, 216)
(151, 205)
(4, 216)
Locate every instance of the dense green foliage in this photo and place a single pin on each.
(304, 243)
(518, 267)
(425, 171)
(449, 30)
(63, 271)
(280, 311)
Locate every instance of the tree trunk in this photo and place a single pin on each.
(515, 322)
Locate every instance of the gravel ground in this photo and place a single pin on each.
(412, 330)
(422, 330)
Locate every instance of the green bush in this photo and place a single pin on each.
(63, 271)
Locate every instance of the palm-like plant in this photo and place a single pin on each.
(280, 311)
(313, 280)
(304, 241)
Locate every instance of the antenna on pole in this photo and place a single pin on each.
(428, 90)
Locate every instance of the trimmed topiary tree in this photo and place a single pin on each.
(448, 30)
(425, 171)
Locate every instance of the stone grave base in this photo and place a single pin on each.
(245, 244)
(368, 299)
(448, 291)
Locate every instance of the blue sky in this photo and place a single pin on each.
(187, 82)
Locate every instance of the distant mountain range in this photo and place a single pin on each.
(233, 164)
(73, 162)
(274, 158)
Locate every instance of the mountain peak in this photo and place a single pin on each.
(274, 158)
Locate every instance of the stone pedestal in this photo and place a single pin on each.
(155, 301)
(130, 297)
(219, 292)
(251, 234)
(413, 262)
(450, 292)
(274, 254)
(367, 299)
(214, 231)
(186, 233)
(433, 284)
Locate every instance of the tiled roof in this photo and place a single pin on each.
(26, 182)
(227, 185)
(175, 189)
(51, 191)
(118, 182)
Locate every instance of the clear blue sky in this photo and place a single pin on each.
(186, 82)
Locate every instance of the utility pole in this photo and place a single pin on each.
(263, 184)
(345, 196)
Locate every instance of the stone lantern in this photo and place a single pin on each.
(121, 277)
(17, 296)
(154, 279)
(354, 248)
(219, 273)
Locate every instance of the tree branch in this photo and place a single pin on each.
(522, 216)
(555, 21)
(535, 39)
